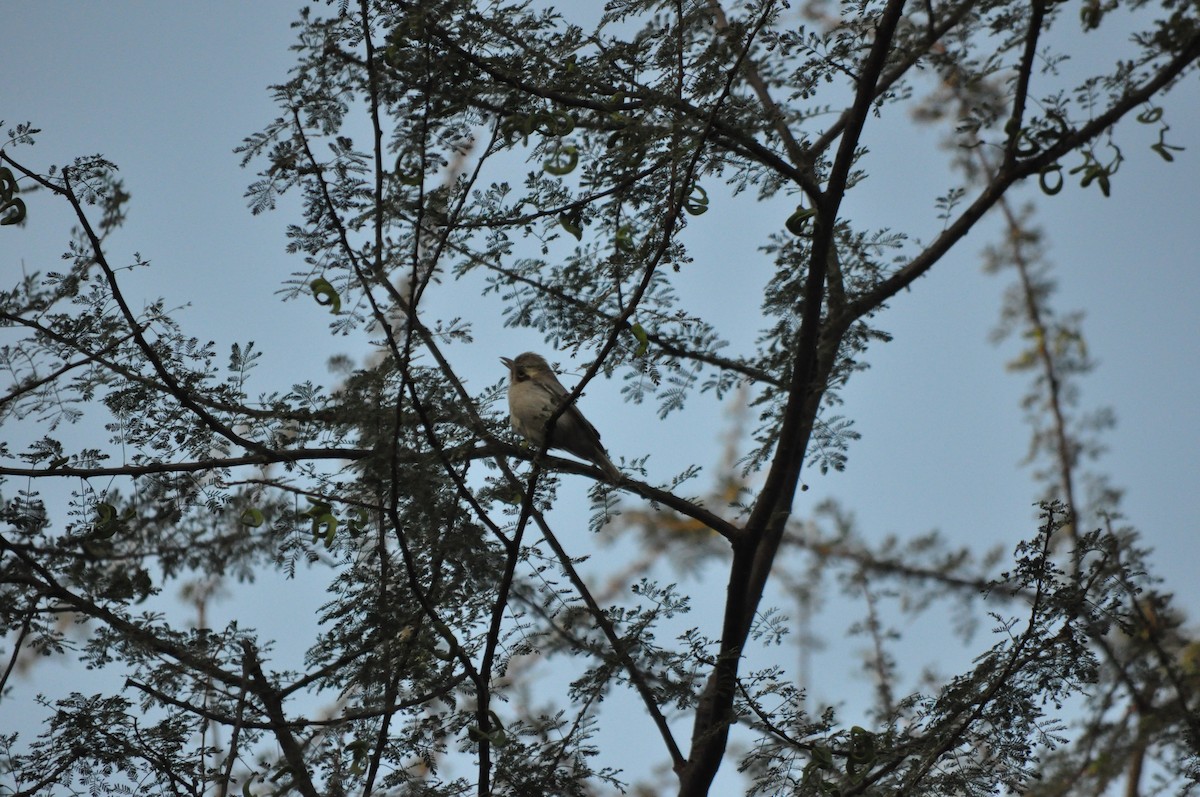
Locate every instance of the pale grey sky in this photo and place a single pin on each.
(167, 90)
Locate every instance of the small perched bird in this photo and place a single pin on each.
(534, 392)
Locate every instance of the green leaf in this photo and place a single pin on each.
(1162, 151)
(616, 116)
(1150, 116)
(571, 223)
(562, 162)
(643, 340)
(321, 514)
(252, 517)
(107, 523)
(359, 519)
(17, 206)
(408, 175)
(510, 495)
(624, 238)
(360, 751)
(517, 124)
(317, 509)
(497, 738)
(330, 522)
(623, 139)
(862, 755)
(1030, 148)
(1050, 189)
(1163, 148)
(554, 123)
(325, 294)
(8, 200)
(564, 124)
(798, 220)
(698, 201)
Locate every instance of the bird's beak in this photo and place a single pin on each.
(507, 363)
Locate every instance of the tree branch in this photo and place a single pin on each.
(268, 458)
(182, 395)
(1006, 177)
(292, 753)
(754, 555)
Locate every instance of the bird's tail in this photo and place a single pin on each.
(610, 470)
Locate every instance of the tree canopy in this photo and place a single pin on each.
(555, 162)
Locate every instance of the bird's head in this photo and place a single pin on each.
(526, 366)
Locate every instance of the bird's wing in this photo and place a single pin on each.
(583, 423)
(573, 416)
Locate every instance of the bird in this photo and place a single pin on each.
(534, 393)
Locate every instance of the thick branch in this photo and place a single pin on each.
(1017, 171)
(1024, 75)
(754, 555)
(292, 752)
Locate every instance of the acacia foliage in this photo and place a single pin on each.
(443, 144)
